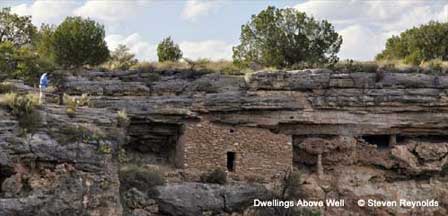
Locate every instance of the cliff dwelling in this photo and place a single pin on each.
(241, 151)
(382, 141)
(342, 132)
(152, 142)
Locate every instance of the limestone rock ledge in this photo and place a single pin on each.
(371, 135)
(55, 172)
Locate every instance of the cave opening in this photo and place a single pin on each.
(401, 138)
(152, 142)
(5, 172)
(381, 141)
(434, 138)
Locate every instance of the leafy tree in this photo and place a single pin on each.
(423, 43)
(18, 56)
(7, 57)
(44, 41)
(16, 29)
(167, 50)
(22, 63)
(121, 58)
(285, 37)
(77, 42)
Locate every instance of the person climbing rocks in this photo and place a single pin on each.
(43, 84)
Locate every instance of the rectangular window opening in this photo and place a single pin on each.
(231, 157)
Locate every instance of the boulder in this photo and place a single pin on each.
(195, 198)
(431, 151)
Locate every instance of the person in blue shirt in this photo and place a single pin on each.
(43, 84)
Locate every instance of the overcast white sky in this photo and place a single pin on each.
(210, 28)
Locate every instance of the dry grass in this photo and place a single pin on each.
(228, 68)
(5, 87)
(85, 133)
(23, 107)
(200, 65)
(433, 66)
(122, 119)
(142, 178)
(20, 104)
(216, 176)
(73, 103)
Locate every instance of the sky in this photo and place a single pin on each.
(209, 29)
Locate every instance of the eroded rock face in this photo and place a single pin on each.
(432, 152)
(196, 198)
(62, 168)
(376, 138)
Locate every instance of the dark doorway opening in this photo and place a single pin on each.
(381, 141)
(152, 142)
(401, 138)
(231, 156)
(5, 172)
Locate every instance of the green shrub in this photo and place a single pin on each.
(167, 50)
(122, 155)
(105, 184)
(104, 149)
(139, 177)
(78, 133)
(71, 112)
(217, 176)
(122, 119)
(72, 133)
(21, 104)
(23, 107)
(30, 122)
(73, 103)
(84, 100)
(5, 88)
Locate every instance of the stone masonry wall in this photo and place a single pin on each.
(259, 152)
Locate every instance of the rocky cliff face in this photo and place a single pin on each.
(351, 135)
(59, 169)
